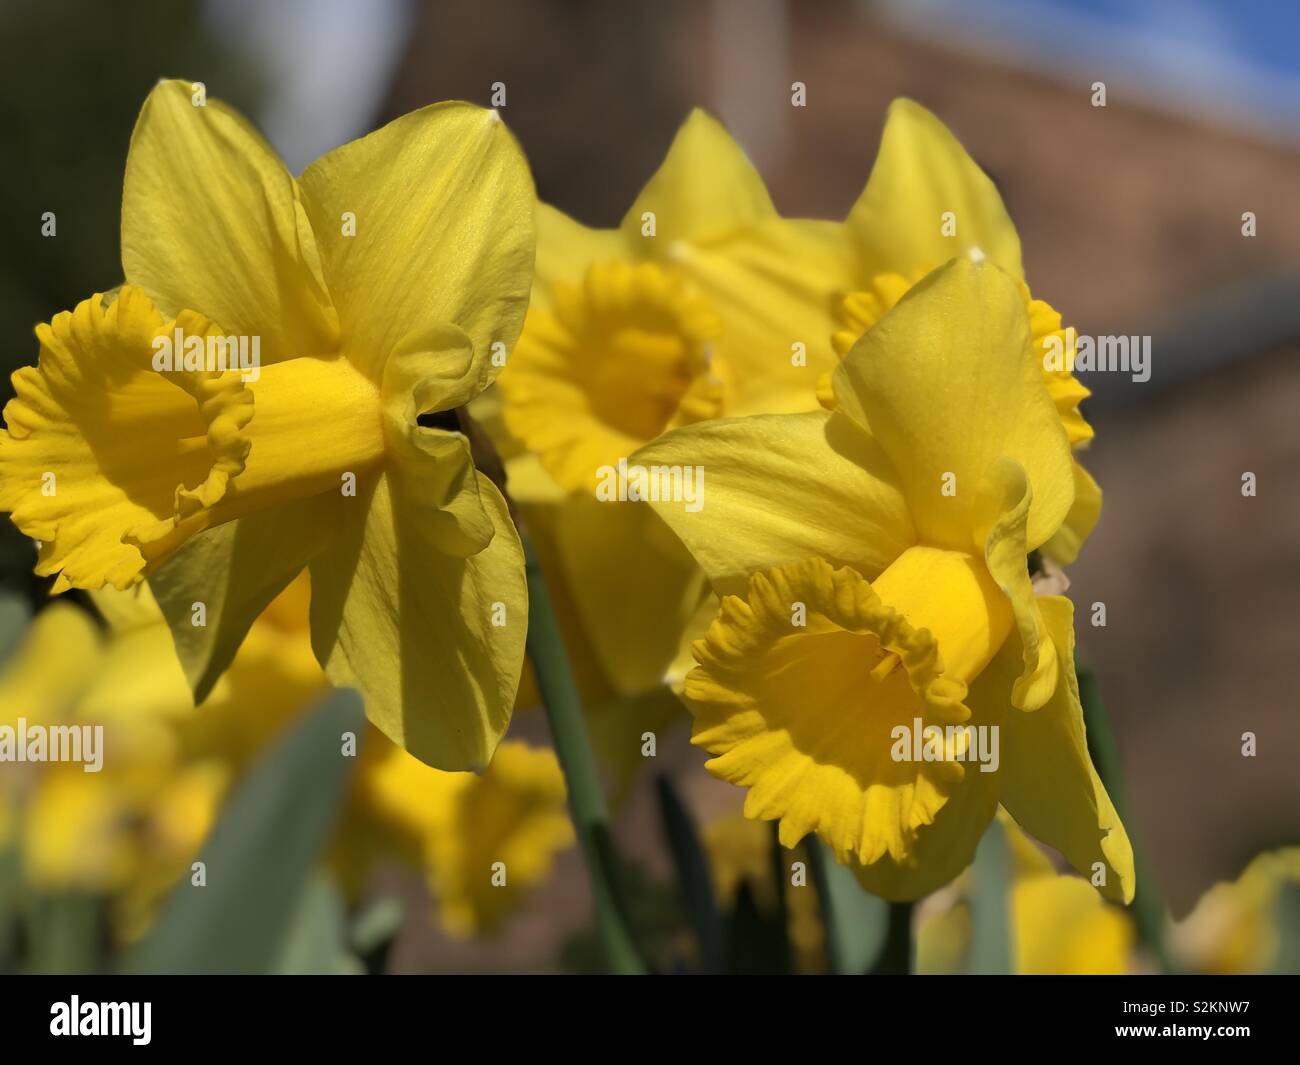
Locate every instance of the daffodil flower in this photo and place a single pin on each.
(1060, 926)
(1238, 926)
(377, 287)
(130, 831)
(876, 580)
(704, 302)
(485, 842)
(926, 202)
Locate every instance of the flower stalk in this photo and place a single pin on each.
(586, 799)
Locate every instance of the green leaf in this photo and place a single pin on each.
(317, 943)
(14, 616)
(1288, 930)
(990, 905)
(374, 931)
(856, 921)
(259, 856)
(67, 932)
(563, 706)
(694, 880)
(376, 925)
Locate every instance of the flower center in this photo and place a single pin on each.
(617, 360)
(639, 340)
(315, 423)
(112, 459)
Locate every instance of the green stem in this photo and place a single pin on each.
(898, 958)
(1148, 907)
(586, 799)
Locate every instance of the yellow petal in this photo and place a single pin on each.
(862, 309)
(139, 678)
(633, 584)
(1065, 546)
(1049, 784)
(211, 221)
(488, 840)
(775, 286)
(1050, 342)
(73, 838)
(415, 629)
(803, 685)
(52, 665)
(565, 248)
(442, 202)
(779, 489)
(705, 186)
(947, 386)
(106, 461)
(542, 521)
(1234, 927)
(1005, 500)
(922, 172)
(1062, 927)
(436, 464)
(235, 571)
(273, 678)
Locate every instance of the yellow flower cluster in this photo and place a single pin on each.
(796, 475)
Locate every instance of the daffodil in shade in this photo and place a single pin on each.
(486, 841)
(876, 580)
(1060, 925)
(376, 286)
(927, 202)
(1239, 926)
(128, 832)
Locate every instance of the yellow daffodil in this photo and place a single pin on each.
(876, 580)
(485, 841)
(926, 202)
(375, 288)
(130, 830)
(1060, 925)
(692, 308)
(703, 302)
(1234, 928)
(125, 830)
